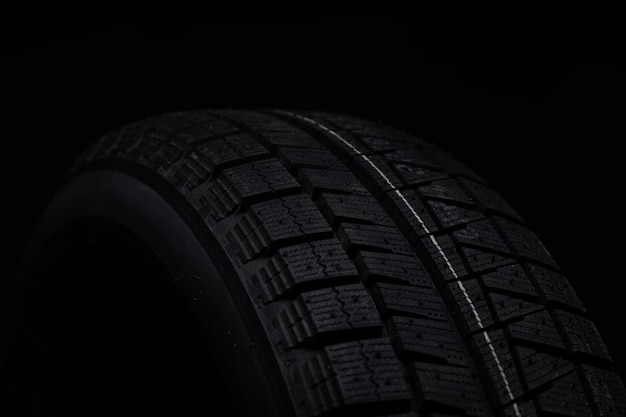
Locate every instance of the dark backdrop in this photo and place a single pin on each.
(534, 105)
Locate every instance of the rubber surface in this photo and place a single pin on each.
(389, 278)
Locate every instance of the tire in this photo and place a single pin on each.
(293, 264)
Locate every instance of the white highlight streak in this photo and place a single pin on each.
(433, 240)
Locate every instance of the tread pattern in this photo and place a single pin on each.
(336, 311)
(355, 375)
(391, 279)
(311, 264)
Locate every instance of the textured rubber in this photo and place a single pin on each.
(390, 279)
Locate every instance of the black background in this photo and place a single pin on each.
(533, 103)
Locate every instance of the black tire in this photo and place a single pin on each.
(315, 264)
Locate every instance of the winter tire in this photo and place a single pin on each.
(292, 264)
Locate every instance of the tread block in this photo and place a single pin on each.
(446, 257)
(380, 142)
(259, 177)
(510, 278)
(481, 234)
(480, 260)
(284, 135)
(235, 184)
(171, 152)
(565, 397)
(498, 365)
(248, 238)
(403, 299)
(273, 221)
(556, 287)
(300, 264)
(427, 338)
(217, 200)
(607, 390)
(265, 122)
(194, 169)
(231, 149)
(582, 335)
(451, 386)
(412, 156)
(315, 180)
(490, 199)
(452, 215)
(525, 242)
(328, 311)
(539, 368)
(450, 164)
(447, 190)
(391, 267)
(412, 174)
(469, 302)
(339, 207)
(148, 146)
(537, 328)
(508, 308)
(297, 157)
(361, 373)
(385, 238)
(305, 217)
